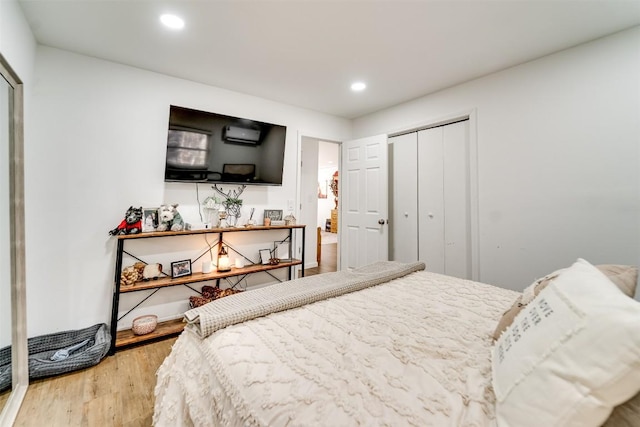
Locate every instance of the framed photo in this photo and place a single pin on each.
(265, 256)
(149, 219)
(181, 268)
(281, 250)
(273, 214)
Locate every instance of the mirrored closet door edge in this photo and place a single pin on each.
(19, 350)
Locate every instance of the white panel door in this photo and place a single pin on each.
(456, 200)
(403, 224)
(363, 203)
(444, 200)
(431, 199)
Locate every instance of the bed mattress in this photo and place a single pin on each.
(411, 351)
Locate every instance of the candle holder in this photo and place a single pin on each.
(223, 260)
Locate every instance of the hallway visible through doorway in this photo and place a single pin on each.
(328, 255)
(319, 169)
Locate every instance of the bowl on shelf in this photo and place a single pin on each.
(144, 324)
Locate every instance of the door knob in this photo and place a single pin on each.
(381, 221)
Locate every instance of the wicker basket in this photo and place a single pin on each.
(144, 324)
(42, 348)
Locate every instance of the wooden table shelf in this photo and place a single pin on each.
(127, 337)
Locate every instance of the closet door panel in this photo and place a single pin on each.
(456, 197)
(431, 199)
(404, 197)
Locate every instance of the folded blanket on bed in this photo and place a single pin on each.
(244, 306)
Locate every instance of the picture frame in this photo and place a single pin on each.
(149, 219)
(265, 256)
(273, 214)
(180, 268)
(281, 250)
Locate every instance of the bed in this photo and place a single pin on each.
(389, 344)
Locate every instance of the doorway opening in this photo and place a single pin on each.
(319, 174)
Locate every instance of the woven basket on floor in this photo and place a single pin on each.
(5, 368)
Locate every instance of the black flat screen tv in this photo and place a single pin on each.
(211, 147)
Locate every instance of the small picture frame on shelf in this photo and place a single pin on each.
(181, 268)
(265, 256)
(149, 219)
(273, 214)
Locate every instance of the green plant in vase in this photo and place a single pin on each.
(232, 203)
(233, 207)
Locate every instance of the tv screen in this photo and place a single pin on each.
(211, 147)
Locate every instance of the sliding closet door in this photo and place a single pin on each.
(443, 199)
(456, 200)
(431, 199)
(404, 197)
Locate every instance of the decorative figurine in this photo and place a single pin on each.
(131, 224)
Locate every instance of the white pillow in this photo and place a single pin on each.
(570, 356)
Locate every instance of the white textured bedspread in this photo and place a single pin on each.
(414, 351)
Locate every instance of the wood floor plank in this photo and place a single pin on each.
(105, 410)
(67, 399)
(4, 396)
(99, 378)
(130, 369)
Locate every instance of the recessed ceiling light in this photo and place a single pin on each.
(172, 21)
(358, 86)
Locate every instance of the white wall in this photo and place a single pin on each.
(559, 157)
(98, 146)
(17, 43)
(17, 46)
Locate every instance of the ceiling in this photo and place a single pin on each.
(307, 53)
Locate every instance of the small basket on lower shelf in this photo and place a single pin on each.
(70, 351)
(144, 325)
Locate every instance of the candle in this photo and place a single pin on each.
(223, 264)
(239, 263)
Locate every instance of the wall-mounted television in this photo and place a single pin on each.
(211, 147)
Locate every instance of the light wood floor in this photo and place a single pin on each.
(116, 392)
(3, 398)
(328, 261)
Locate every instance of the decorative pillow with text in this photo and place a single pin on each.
(571, 355)
(624, 277)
